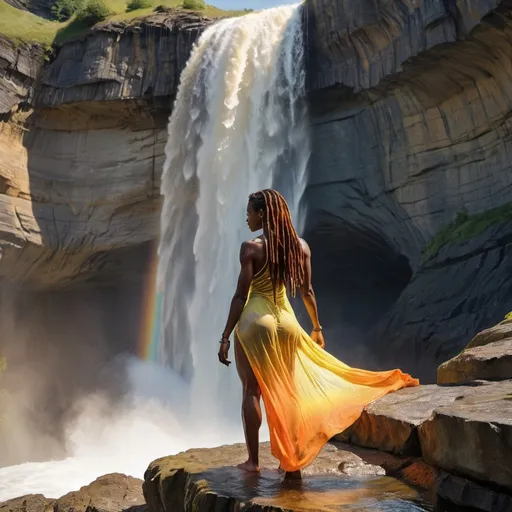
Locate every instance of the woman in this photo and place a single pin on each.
(309, 395)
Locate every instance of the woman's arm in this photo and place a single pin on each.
(309, 299)
(239, 299)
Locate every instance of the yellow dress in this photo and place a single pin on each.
(309, 395)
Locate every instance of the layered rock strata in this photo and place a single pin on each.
(81, 158)
(411, 138)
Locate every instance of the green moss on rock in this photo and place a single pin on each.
(465, 227)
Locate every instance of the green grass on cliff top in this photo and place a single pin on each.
(465, 227)
(19, 25)
(22, 26)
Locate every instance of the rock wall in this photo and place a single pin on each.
(20, 65)
(411, 107)
(81, 151)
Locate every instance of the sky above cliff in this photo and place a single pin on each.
(250, 4)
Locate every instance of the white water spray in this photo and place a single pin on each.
(238, 125)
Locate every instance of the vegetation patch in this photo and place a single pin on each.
(465, 227)
(62, 10)
(21, 26)
(195, 5)
(75, 17)
(134, 5)
(93, 12)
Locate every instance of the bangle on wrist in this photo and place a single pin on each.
(319, 329)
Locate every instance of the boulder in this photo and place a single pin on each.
(498, 332)
(472, 436)
(114, 492)
(487, 362)
(206, 480)
(28, 503)
(391, 423)
(109, 493)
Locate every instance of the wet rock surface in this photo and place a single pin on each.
(206, 479)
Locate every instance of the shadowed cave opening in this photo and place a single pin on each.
(357, 276)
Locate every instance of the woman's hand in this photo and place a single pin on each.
(318, 338)
(223, 352)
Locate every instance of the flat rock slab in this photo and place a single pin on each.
(207, 480)
(473, 435)
(391, 423)
(492, 361)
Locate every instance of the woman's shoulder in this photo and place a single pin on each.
(305, 246)
(254, 244)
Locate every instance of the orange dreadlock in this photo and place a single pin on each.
(285, 253)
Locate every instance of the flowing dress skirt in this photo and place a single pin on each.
(309, 395)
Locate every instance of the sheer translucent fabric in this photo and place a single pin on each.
(309, 395)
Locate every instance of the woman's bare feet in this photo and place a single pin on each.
(293, 475)
(249, 466)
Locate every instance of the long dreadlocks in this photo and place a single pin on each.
(285, 253)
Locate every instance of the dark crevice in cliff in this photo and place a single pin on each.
(357, 276)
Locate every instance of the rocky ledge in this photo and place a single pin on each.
(445, 445)
(208, 480)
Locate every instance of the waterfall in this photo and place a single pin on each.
(239, 124)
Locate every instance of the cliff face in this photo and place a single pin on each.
(82, 148)
(410, 106)
(411, 111)
(19, 67)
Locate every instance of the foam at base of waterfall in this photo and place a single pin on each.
(149, 423)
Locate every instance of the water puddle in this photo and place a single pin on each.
(319, 493)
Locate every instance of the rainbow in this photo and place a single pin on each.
(149, 331)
